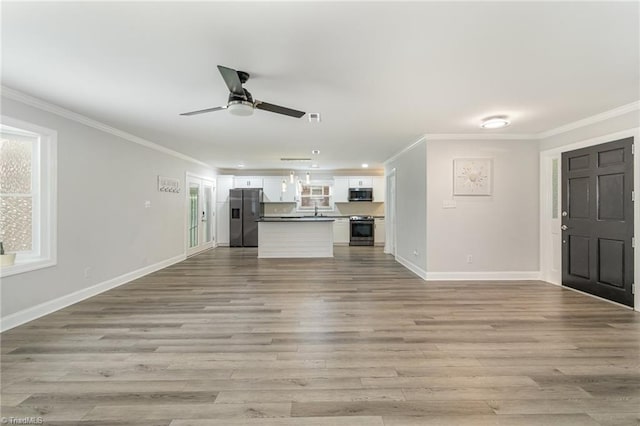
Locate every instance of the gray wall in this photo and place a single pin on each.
(103, 183)
(411, 204)
(500, 231)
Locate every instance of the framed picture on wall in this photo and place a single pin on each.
(472, 176)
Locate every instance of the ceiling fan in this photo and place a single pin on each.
(240, 100)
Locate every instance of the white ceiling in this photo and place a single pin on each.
(381, 74)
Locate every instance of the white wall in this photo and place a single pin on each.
(614, 124)
(411, 206)
(103, 183)
(499, 231)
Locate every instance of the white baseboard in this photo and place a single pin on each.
(29, 314)
(484, 276)
(412, 267)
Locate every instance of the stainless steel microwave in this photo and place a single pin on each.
(360, 194)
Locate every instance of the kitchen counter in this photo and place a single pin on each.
(288, 237)
(297, 219)
(316, 217)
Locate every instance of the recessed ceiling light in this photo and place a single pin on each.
(315, 151)
(495, 122)
(315, 166)
(241, 165)
(365, 165)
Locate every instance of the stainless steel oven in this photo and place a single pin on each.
(362, 230)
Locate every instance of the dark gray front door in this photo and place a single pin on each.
(597, 220)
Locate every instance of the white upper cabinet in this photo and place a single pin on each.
(272, 189)
(340, 189)
(248, 182)
(360, 182)
(379, 189)
(273, 192)
(289, 196)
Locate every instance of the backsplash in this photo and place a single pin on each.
(341, 209)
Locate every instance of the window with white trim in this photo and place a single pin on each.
(315, 195)
(27, 196)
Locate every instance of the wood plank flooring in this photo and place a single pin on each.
(226, 339)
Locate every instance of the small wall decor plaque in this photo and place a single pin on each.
(167, 184)
(472, 176)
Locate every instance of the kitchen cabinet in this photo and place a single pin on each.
(379, 232)
(341, 230)
(273, 192)
(272, 189)
(248, 182)
(379, 189)
(360, 182)
(289, 196)
(340, 189)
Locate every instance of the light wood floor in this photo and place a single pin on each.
(226, 339)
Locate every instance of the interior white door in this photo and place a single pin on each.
(200, 223)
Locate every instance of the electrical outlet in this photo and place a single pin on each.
(147, 204)
(469, 258)
(415, 252)
(87, 272)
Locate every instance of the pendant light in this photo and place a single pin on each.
(291, 177)
(308, 178)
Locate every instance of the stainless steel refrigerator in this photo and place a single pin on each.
(246, 207)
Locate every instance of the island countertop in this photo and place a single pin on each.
(296, 219)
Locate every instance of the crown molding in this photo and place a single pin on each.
(79, 118)
(403, 151)
(624, 109)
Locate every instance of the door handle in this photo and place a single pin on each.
(564, 227)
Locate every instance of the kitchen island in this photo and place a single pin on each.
(283, 237)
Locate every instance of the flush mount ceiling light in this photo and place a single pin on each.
(495, 122)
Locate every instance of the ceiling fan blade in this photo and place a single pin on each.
(232, 79)
(202, 111)
(279, 109)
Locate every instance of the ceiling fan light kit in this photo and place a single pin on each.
(240, 108)
(240, 100)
